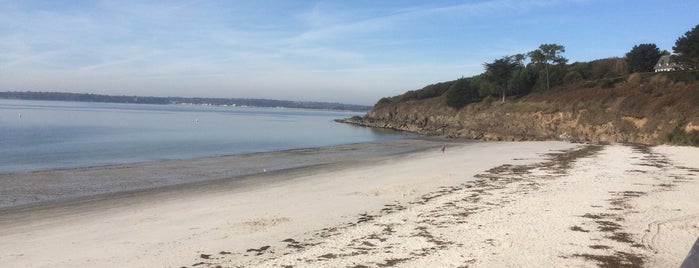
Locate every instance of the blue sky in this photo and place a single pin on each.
(341, 51)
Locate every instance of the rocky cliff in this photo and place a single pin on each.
(654, 112)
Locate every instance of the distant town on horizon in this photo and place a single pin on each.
(87, 97)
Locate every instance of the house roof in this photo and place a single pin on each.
(666, 62)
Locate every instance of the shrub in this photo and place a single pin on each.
(681, 137)
(686, 77)
(573, 78)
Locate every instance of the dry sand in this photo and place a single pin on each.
(531, 204)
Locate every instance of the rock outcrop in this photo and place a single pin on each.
(633, 114)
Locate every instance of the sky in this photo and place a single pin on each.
(354, 51)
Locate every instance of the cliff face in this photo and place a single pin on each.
(647, 114)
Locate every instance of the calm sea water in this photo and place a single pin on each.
(39, 135)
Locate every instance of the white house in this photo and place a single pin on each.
(666, 64)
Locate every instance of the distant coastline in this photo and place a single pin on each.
(87, 97)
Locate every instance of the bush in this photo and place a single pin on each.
(573, 78)
(583, 68)
(681, 137)
(686, 77)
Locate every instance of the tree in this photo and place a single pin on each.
(500, 71)
(687, 48)
(462, 92)
(643, 57)
(523, 80)
(548, 53)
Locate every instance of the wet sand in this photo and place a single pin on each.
(21, 189)
(480, 204)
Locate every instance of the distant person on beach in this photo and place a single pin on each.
(444, 148)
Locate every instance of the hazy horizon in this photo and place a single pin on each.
(54, 98)
(352, 52)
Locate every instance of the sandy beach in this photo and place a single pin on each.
(479, 204)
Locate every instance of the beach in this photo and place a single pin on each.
(401, 203)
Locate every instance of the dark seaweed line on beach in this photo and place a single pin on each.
(619, 205)
(495, 179)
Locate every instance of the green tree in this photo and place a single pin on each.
(499, 72)
(687, 48)
(583, 68)
(462, 92)
(522, 79)
(643, 57)
(485, 88)
(548, 53)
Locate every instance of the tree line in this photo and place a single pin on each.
(85, 97)
(545, 68)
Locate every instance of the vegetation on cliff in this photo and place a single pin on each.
(643, 57)
(544, 97)
(687, 48)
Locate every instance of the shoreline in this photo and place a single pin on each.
(66, 184)
(479, 204)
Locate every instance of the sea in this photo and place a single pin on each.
(45, 135)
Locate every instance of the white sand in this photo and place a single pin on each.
(422, 210)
